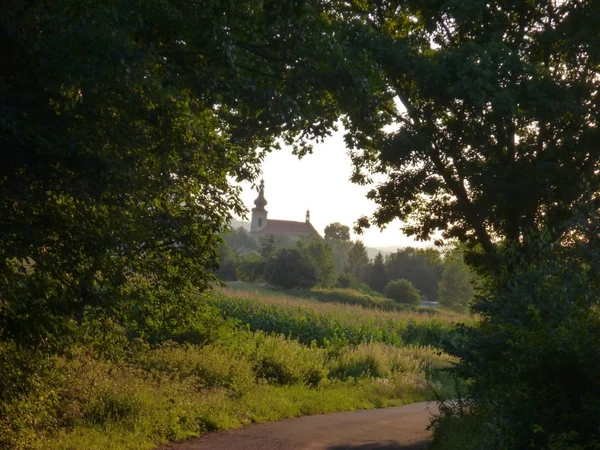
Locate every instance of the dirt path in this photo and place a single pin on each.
(401, 428)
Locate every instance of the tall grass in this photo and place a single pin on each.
(309, 320)
(174, 391)
(371, 299)
(245, 358)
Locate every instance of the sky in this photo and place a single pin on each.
(320, 182)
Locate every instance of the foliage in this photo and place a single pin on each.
(403, 291)
(291, 268)
(320, 255)
(494, 114)
(136, 395)
(345, 281)
(337, 232)
(532, 363)
(251, 267)
(376, 275)
(310, 319)
(228, 262)
(268, 246)
(455, 289)
(121, 126)
(357, 260)
(239, 240)
(422, 268)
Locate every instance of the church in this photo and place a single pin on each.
(262, 226)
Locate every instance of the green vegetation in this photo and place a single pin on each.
(291, 268)
(403, 291)
(123, 393)
(310, 320)
(455, 289)
(341, 264)
(122, 125)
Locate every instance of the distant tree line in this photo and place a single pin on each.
(409, 275)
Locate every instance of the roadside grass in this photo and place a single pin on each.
(174, 391)
(246, 358)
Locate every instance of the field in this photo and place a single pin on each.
(263, 356)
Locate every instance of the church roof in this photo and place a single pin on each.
(288, 228)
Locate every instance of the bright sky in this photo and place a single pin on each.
(321, 183)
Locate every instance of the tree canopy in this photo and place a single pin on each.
(337, 232)
(495, 114)
(121, 126)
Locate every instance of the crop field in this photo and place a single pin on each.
(311, 320)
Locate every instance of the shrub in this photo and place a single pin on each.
(345, 281)
(382, 361)
(283, 361)
(532, 363)
(28, 401)
(211, 366)
(291, 269)
(403, 291)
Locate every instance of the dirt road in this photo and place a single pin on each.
(401, 428)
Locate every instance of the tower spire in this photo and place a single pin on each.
(260, 201)
(307, 215)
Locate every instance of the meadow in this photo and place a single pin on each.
(310, 319)
(261, 358)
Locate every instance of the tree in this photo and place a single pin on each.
(268, 246)
(228, 262)
(345, 281)
(121, 124)
(377, 278)
(403, 291)
(423, 269)
(321, 257)
(251, 267)
(495, 123)
(337, 232)
(455, 289)
(239, 240)
(291, 269)
(495, 146)
(357, 261)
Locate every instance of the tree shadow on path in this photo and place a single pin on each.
(390, 445)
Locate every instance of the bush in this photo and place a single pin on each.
(532, 363)
(291, 268)
(403, 291)
(286, 362)
(211, 366)
(345, 281)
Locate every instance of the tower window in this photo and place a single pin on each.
(259, 222)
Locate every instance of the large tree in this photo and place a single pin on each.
(483, 118)
(376, 275)
(121, 126)
(321, 257)
(455, 289)
(357, 262)
(337, 232)
(495, 113)
(423, 269)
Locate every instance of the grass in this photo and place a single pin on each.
(356, 297)
(311, 320)
(283, 357)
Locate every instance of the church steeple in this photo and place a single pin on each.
(259, 213)
(307, 216)
(260, 201)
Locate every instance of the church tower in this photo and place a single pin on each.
(259, 213)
